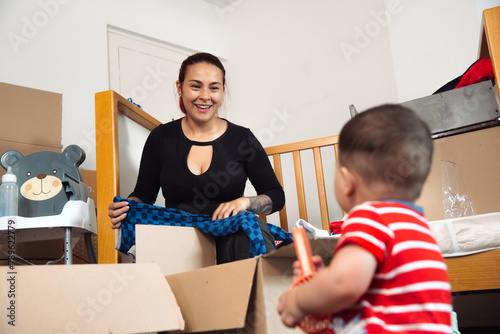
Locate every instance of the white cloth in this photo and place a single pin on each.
(311, 230)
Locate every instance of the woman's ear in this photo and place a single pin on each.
(178, 85)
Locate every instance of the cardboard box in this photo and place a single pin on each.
(23, 110)
(183, 249)
(118, 298)
(468, 163)
(236, 297)
(90, 179)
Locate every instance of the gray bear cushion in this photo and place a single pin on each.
(47, 180)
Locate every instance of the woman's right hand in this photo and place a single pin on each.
(117, 212)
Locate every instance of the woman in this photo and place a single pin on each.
(202, 161)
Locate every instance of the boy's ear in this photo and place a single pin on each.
(349, 181)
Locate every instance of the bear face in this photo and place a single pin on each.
(45, 179)
(40, 187)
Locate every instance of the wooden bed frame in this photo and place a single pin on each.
(468, 273)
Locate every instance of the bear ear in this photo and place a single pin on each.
(75, 154)
(10, 158)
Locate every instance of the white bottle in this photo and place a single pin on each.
(8, 194)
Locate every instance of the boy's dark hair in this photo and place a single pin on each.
(389, 144)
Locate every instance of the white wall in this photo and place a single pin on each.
(61, 46)
(293, 72)
(433, 42)
(293, 66)
(307, 61)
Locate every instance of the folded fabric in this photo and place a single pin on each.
(141, 213)
(480, 70)
(336, 227)
(311, 230)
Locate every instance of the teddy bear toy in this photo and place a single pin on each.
(47, 180)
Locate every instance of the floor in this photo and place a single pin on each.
(480, 330)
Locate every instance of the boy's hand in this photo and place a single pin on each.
(333, 288)
(318, 264)
(288, 309)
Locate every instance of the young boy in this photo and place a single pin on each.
(387, 274)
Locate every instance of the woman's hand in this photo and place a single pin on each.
(117, 212)
(228, 209)
(260, 205)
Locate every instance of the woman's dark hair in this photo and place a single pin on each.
(201, 57)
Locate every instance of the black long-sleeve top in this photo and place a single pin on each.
(237, 155)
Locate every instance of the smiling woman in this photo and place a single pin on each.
(202, 162)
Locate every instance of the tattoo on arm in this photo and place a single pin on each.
(260, 205)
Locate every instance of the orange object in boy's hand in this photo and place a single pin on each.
(305, 269)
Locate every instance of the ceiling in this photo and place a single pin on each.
(221, 3)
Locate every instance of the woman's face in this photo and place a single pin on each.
(202, 91)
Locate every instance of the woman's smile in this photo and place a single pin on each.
(203, 107)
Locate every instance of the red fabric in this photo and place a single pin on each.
(481, 70)
(335, 227)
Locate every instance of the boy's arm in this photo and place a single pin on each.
(333, 289)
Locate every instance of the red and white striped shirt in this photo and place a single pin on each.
(410, 291)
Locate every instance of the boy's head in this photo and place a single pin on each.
(390, 149)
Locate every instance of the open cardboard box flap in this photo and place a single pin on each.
(235, 297)
(216, 297)
(118, 298)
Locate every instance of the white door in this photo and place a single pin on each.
(146, 71)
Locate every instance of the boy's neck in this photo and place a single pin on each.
(375, 192)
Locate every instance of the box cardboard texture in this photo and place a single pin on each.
(118, 298)
(474, 161)
(185, 249)
(236, 297)
(24, 111)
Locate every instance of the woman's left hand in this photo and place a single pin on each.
(231, 208)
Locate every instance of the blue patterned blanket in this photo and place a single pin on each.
(141, 213)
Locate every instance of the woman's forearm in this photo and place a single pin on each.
(260, 205)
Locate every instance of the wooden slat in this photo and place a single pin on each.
(320, 181)
(278, 170)
(299, 183)
(295, 149)
(475, 272)
(302, 145)
(107, 106)
(491, 21)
